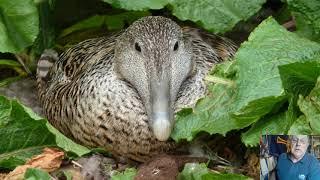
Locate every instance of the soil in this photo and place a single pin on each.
(165, 167)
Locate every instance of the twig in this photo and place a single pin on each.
(290, 24)
(53, 178)
(76, 163)
(23, 64)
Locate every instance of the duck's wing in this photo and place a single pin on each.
(75, 60)
(223, 47)
(60, 78)
(208, 50)
(85, 54)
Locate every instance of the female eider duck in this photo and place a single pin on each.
(121, 92)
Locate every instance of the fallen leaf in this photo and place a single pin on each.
(252, 166)
(49, 160)
(3, 175)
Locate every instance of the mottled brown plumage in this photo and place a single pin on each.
(121, 92)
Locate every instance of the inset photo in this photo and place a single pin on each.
(290, 157)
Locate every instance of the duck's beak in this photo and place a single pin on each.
(161, 120)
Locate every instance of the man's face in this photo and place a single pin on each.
(299, 145)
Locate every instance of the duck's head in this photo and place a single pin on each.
(153, 56)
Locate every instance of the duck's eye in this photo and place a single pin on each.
(176, 46)
(137, 47)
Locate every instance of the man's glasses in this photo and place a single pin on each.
(301, 141)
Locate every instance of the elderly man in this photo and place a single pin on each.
(298, 165)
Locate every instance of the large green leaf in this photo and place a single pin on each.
(138, 5)
(46, 36)
(297, 78)
(259, 83)
(304, 28)
(300, 77)
(276, 124)
(300, 126)
(19, 24)
(24, 134)
(216, 15)
(21, 136)
(212, 113)
(307, 15)
(110, 22)
(310, 106)
(251, 87)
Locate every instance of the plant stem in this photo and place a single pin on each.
(219, 80)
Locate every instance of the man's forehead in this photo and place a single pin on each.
(300, 137)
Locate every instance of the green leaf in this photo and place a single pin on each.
(9, 63)
(300, 77)
(36, 174)
(60, 140)
(195, 171)
(259, 84)
(217, 16)
(300, 126)
(307, 15)
(91, 22)
(138, 5)
(111, 22)
(19, 24)
(304, 28)
(276, 124)
(250, 87)
(310, 106)
(66, 143)
(212, 113)
(24, 134)
(297, 78)
(46, 36)
(128, 174)
(212, 176)
(20, 134)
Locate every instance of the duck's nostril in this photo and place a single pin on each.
(137, 47)
(176, 46)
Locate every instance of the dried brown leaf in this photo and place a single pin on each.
(49, 160)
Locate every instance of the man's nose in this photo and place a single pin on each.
(298, 142)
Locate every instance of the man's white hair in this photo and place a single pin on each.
(291, 137)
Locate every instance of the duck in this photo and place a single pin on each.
(121, 92)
